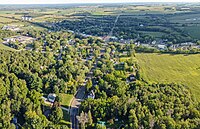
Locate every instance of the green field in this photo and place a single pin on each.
(66, 99)
(193, 31)
(153, 34)
(182, 69)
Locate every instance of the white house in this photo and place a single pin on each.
(51, 97)
(91, 95)
(162, 46)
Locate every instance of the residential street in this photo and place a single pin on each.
(79, 97)
(76, 102)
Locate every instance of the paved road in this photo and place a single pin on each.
(111, 32)
(79, 97)
(76, 102)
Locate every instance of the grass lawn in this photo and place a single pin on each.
(183, 69)
(2, 46)
(66, 98)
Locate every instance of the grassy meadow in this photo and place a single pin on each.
(182, 69)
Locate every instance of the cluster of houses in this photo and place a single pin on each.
(185, 46)
(164, 46)
(21, 39)
(11, 27)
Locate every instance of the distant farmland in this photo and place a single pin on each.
(183, 69)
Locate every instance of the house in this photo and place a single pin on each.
(162, 46)
(153, 42)
(185, 9)
(91, 94)
(132, 78)
(51, 97)
(26, 18)
(141, 25)
(113, 38)
(145, 45)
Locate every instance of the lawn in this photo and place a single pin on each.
(66, 99)
(182, 69)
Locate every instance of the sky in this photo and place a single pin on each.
(84, 1)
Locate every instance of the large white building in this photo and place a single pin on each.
(26, 18)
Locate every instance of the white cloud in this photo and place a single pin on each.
(84, 1)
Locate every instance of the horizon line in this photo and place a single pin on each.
(93, 3)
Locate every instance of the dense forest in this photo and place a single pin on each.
(156, 106)
(26, 76)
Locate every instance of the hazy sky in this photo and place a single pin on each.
(84, 1)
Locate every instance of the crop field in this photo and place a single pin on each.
(185, 18)
(182, 69)
(6, 20)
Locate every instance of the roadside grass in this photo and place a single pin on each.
(66, 98)
(66, 119)
(66, 116)
(165, 68)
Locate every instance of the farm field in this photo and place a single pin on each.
(183, 69)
